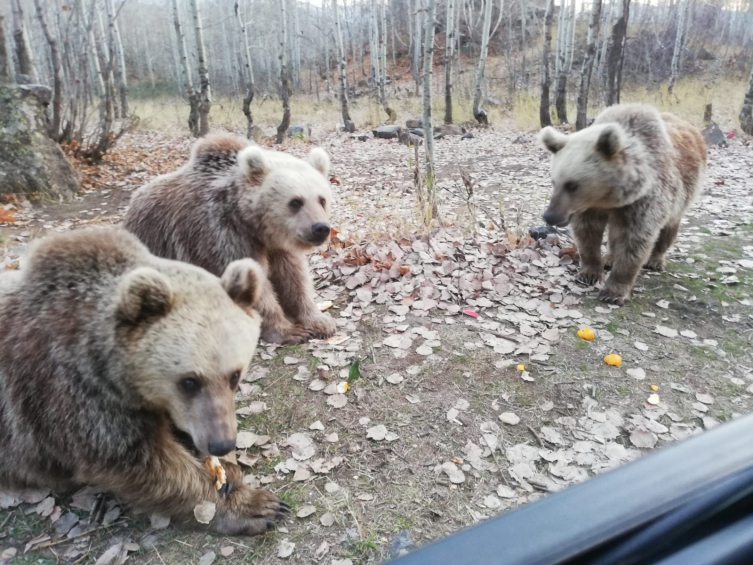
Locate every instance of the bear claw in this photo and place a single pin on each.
(588, 280)
(610, 297)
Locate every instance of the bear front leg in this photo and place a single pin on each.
(275, 326)
(290, 276)
(658, 259)
(588, 230)
(630, 249)
(169, 481)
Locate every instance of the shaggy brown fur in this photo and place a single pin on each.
(233, 200)
(634, 170)
(105, 351)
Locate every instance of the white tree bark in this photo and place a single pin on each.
(248, 72)
(341, 64)
(677, 52)
(205, 92)
(449, 44)
(24, 58)
(282, 128)
(117, 52)
(478, 112)
(431, 204)
(418, 8)
(588, 63)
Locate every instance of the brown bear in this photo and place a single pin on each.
(119, 369)
(635, 170)
(234, 200)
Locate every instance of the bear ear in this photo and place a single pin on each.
(552, 139)
(611, 140)
(319, 159)
(145, 295)
(242, 280)
(253, 163)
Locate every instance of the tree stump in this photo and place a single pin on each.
(32, 165)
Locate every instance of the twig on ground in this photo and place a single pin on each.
(538, 437)
(496, 460)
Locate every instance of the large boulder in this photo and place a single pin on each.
(31, 164)
(713, 135)
(302, 131)
(387, 132)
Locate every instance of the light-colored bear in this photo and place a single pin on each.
(110, 355)
(234, 200)
(635, 170)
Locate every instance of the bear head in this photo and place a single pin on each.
(592, 168)
(286, 199)
(185, 339)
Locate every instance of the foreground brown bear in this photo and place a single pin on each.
(635, 170)
(234, 200)
(106, 351)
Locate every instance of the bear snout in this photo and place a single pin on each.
(320, 231)
(555, 219)
(221, 447)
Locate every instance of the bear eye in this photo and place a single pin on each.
(189, 385)
(296, 204)
(323, 202)
(235, 379)
(570, 186)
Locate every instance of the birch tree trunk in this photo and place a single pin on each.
(249, 73)
(24, 59)
(449, 44)
(374, 48)
(57, 79)
(431, 204)
(205, 93)
(545, 117)
(615, 50)
(341, 70)
(417, 44)
(391, 114)
(523, 22)
(478, 112)
(588, 64)
(746, 114)
(282, 129)
(677, 53)
(6, 65)
(193, 96)
(568, 39)
(120, 65)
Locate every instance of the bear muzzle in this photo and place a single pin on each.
(556, 219)
(221, 447)
(319, 233)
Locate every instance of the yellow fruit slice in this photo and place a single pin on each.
(613, 359)
(586, 333)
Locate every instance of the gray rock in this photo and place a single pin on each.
(65, 523)
(350, 127)
(299, 130)
(468, 135)
(493, 101)
(409, 138)
(387, 132)
(414, 123)
(448, 129)
(401, 544)
(31, 164)
(418, 132)
(713, 135)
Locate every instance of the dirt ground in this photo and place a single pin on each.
(473, 394)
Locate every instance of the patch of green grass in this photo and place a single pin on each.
(624, 391)
(612, 327)
(581, 343)
(403, 522)
(734, 343)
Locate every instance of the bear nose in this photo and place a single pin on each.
(320, 229)
(550, 218)
(220, 448)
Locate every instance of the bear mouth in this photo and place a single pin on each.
(315, 241)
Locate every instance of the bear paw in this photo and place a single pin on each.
(286, 335)
(321, 327)
(656, 265)
(250, 512)
(588, 279)
(611, 297)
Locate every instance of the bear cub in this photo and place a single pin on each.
(634, 170)
(234, 200)
(107, 356)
